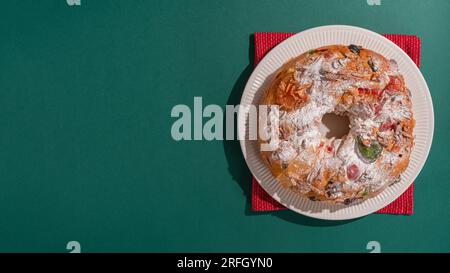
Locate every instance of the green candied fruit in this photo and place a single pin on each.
(369, 153)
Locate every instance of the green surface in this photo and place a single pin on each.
(85, 148)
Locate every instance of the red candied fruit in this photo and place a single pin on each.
(387, 126)
(377, 107)
(395, 84)
(374, 92)
(352, 172)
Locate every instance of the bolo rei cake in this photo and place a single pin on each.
(349, 81)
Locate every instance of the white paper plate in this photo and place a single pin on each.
(318, 37)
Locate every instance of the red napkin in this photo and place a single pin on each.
(264, 42)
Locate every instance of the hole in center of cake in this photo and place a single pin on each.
(333, 125)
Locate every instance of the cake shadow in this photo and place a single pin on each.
(237, 167)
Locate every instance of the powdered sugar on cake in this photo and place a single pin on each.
(363, 162)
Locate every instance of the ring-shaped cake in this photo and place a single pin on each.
(345, 80)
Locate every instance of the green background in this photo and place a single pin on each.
(85, 147)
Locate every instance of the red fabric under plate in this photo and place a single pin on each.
(264, 42)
